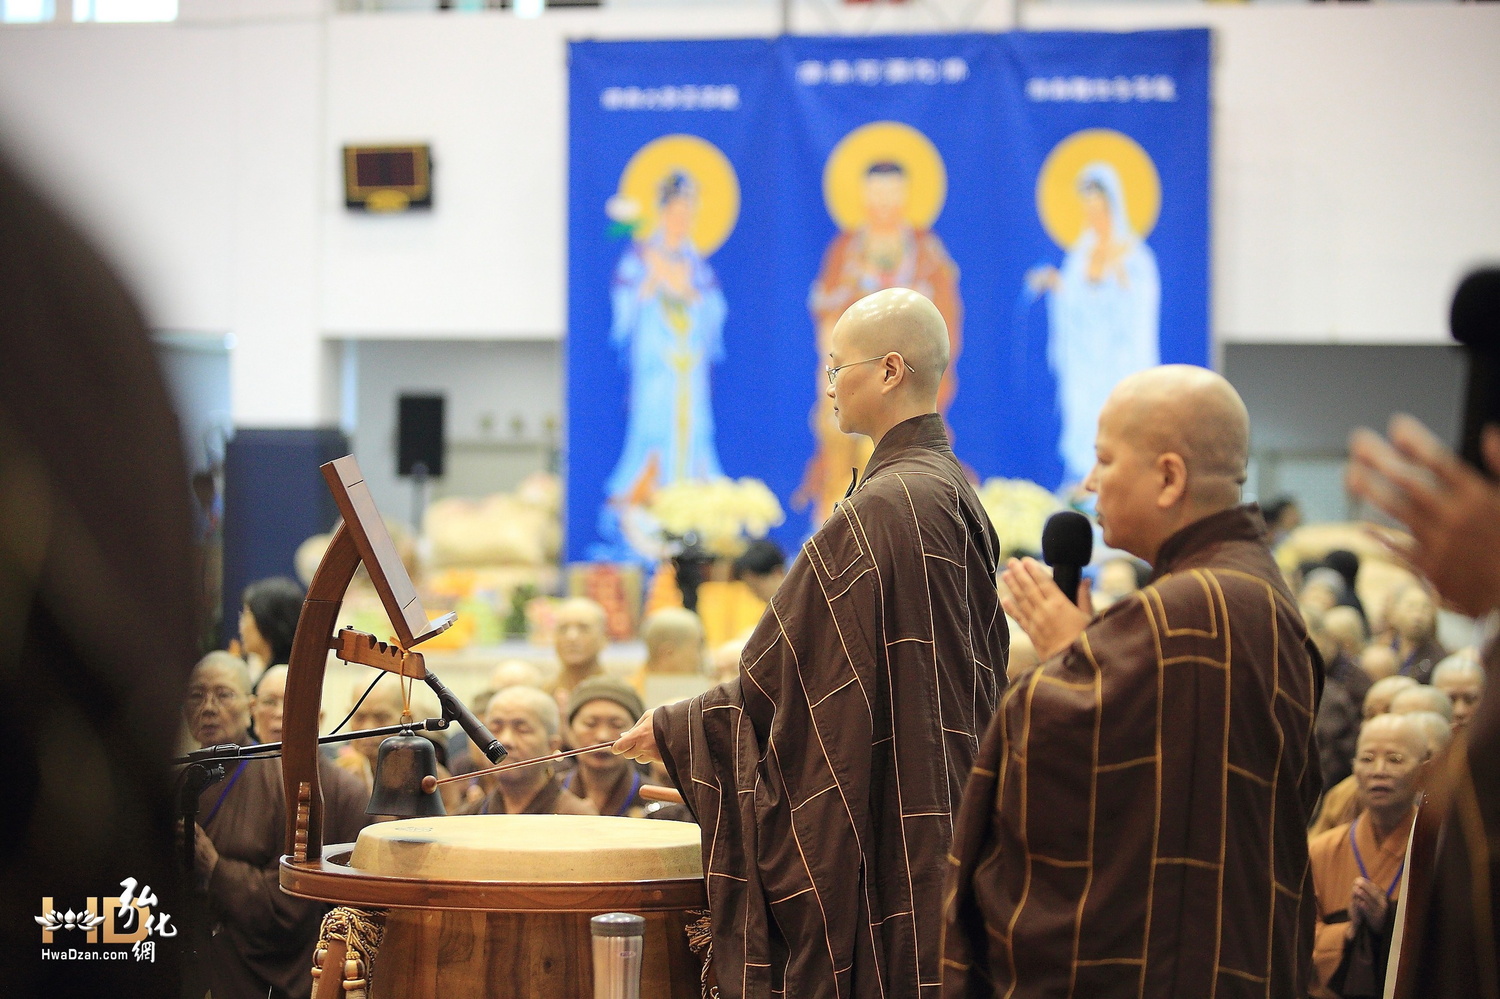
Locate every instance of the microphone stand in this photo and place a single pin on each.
(204, 768)
(267, 750)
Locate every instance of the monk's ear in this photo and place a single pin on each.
(1173, 472)
(890, 373)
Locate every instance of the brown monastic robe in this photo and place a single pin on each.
(1334, 868)
(825, 776)
(1136, 823)
(1451, 948)
(550, 799)
(263, 938)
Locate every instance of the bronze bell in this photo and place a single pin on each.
(403, 761)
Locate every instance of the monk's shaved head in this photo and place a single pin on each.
(905, 322)
(1192, 412)
(1400, 727)
(1172, 448)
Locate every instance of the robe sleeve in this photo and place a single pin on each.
(702, 741)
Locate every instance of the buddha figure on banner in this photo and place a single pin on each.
(884, 184)
(668, 324)
(1098, 197)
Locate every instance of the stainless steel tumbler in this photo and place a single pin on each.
(619, 939)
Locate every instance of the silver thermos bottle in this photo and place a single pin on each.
(619, 939)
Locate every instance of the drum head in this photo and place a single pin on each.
(535, 849)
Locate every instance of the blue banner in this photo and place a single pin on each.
(729, 199)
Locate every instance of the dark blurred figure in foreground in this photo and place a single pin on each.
(96, 604)
(1453, 514)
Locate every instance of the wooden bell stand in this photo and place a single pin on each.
(361, 538)
(519, 925)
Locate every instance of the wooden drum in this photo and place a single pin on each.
(499, 905)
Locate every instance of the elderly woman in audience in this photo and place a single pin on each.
(1118, 579)
(579, 637)
(1344, 689)
(1422, 697)
(381, 708)
(1413, 632)
(526, 722)
(270, 609)
(1346, 626)
(1356, 866)
(1323, 589)
(265, 712)
(462, 758)
(263, 939)
(1346, 564)
(1340, 801)
(1379, 661)
(601, 710)
(726, 660)
(676, 655)
(1461, 677)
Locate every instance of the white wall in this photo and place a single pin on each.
(1352, 146)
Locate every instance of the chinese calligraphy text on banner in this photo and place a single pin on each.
(729, 199)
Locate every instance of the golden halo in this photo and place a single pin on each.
(891, 142)
(718, 187)
(1057, 201)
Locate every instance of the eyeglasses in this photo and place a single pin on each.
(833, 373)
(223, 695)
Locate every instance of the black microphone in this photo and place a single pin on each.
(456, 710)
(1068, 546)
(1475, 321)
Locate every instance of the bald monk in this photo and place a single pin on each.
(825, 774)
(1461, 677)
(1340, 802)
(1135, 825)
(580, 636)
(675, 657)
(1356, 866)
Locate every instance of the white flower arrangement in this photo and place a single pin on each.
(1019, 509)
(723, 513)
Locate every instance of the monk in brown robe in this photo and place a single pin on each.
(826, 774)
(263, 938)
(1449, 946)
(1356, 867)
(1135, 825)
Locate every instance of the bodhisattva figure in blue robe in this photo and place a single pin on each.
(668, 324)
(1103, 313)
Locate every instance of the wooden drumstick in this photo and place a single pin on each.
(656, 792)
(430, 784)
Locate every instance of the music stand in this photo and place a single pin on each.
(361, 538)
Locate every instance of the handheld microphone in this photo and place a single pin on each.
(1475, 321)
(1068, 546)
(456, 710)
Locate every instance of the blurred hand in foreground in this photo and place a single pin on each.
(1452, 512)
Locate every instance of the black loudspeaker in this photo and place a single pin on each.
(419, 435)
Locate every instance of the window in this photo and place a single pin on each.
(120, 10)
(26, 11)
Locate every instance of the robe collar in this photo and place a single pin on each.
(1241, 523)
(925, 431)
